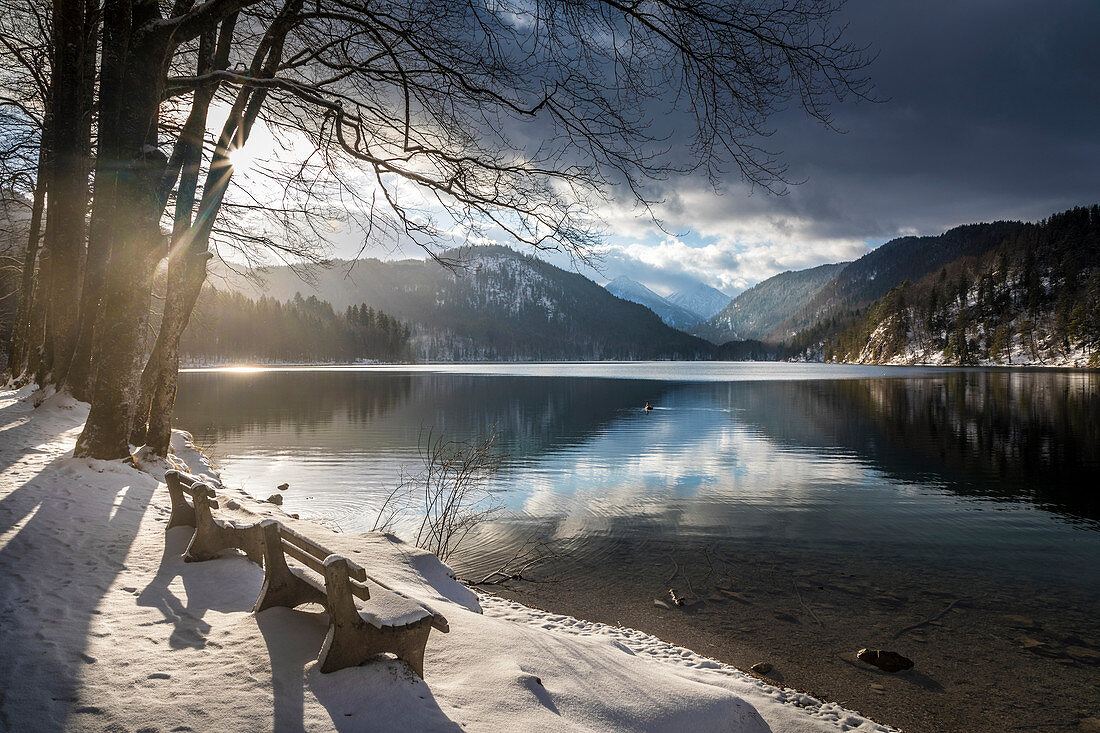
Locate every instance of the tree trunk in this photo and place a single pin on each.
(186, 265)
(73, 62)
(187, 272)
(131, 89)
(20, 335)
(78, 375)
(183, 293)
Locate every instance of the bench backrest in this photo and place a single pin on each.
(192, 485)
(312, 554)
(280, 539)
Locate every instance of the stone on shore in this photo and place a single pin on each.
(885, 660)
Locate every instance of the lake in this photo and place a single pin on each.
(801, 511)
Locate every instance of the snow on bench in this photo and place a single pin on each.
(390, 621)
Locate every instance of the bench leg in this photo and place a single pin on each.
(183, 514)
(211, 537)
(205, 545)
(350, 640)
(281, 587)
(250, 540)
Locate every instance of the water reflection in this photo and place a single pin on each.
(805, 511)
(840, 465)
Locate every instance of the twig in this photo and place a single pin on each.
(808, 609)
(928, 620)
(710, 563)
(675, 569)
(688, 581)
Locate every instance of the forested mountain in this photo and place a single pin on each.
(867, 279)
(633, 291)
(500, 305)
(1005, 292)
(231, 328)
(756, 312)
(701, 299)
(1034, 297)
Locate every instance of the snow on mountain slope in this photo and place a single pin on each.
(672, 314)
(701, 299)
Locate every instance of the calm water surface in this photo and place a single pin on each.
(804, 511)
(997, 471)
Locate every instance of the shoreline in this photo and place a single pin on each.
(987, 659)
(248, 367)
(107, 627)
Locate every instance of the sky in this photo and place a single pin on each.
(989, 109)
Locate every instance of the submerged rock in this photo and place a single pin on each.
(761, 668)
(888, 661)
(275, 499)
(283, 487)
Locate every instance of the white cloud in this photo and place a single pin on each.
(730, 241)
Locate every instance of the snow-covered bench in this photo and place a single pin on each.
(211, 535)
(389, 622)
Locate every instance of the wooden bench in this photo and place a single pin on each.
(211, 535)
(390, 622)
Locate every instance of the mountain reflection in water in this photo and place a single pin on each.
(838, 459)
(805, 511)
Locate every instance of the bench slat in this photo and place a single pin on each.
(304, 544)
(316, 565)
(189, 483)
(301, 556)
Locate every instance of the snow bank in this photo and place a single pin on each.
(103, 626)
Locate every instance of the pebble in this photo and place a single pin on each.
(761, 668)
(1020, 622)
(275, 499)
(283, 487)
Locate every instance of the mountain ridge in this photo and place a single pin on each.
(701, 299)
(755, 312)
(673, 315)
(499, 305)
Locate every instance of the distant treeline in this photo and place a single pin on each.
(229, 327)
(1035, 296)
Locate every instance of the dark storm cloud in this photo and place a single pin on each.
(992, 111)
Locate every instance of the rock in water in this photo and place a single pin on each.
(275, 499)
(283, 487)
(761, 668)
(884, 660)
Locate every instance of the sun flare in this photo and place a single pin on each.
(242, 158)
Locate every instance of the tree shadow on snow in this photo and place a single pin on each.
(381, 694)
(227, 584)
(64, 543)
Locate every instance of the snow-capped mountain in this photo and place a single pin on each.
(500, 304)
(701, 299)
(672, 314)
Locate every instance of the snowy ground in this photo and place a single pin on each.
(104, 627)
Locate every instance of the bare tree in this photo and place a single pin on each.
(510, 117)
(24, 67)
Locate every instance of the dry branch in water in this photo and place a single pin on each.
(450, 493)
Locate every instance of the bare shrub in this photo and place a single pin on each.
(450, 494)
